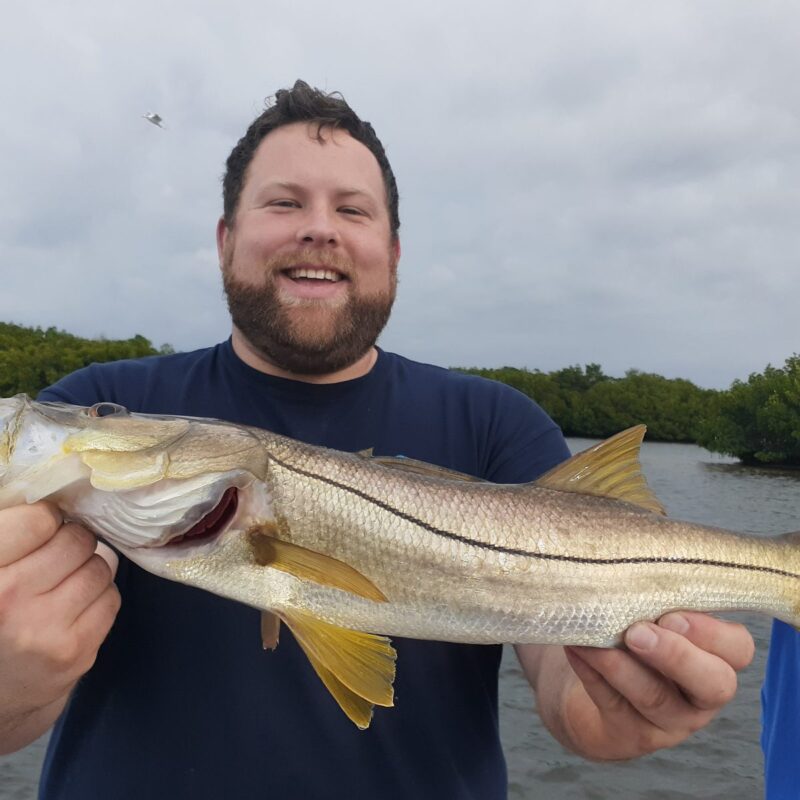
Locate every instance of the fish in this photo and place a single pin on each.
(349, 549)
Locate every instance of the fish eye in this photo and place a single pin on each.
(107, 410)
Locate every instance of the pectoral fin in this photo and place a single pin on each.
(609, 469)
(270, 629)
(269, 551)
(357, 668)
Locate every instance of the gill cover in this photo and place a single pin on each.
(125, 452)
(129, 451)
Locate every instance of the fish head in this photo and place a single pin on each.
(137, 480)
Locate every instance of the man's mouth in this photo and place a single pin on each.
(215, 521)
(313, 274)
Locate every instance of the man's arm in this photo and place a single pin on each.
(670, 681)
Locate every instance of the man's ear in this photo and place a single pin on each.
(396, 248)
(222, 236)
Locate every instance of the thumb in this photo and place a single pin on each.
(109, 556)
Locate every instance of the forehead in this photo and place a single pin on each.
(296, 154)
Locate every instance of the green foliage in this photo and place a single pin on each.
(758, 421)
(587, 402)
(32, 358)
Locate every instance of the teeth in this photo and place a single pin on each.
(315, 274)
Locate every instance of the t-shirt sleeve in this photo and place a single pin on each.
(80, 388)
(525, 442)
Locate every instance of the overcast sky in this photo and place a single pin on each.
(613, 182)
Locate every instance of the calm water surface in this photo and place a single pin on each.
(723, 761)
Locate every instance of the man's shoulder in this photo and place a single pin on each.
(445, 377)
(120, 381)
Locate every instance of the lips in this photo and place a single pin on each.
(216, 519)
(313, 274)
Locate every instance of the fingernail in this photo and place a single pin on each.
(641, 637)
(674, 622)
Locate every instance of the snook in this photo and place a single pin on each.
(341, 546)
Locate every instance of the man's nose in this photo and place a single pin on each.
(319, 227)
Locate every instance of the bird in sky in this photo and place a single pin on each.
(151, 116)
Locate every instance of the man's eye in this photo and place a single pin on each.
(285, 203)
(351, 210)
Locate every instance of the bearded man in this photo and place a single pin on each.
(181, 701)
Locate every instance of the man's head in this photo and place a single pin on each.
(308, 243)
(301, 103)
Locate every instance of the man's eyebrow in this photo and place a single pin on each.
(351, 192)
(347, 191)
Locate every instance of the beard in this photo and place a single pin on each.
(307, 337)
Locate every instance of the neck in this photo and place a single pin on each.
(255, 359)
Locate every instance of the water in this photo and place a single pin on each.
(722, 761)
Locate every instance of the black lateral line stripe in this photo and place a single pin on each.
(512, 551)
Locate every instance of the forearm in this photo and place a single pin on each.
(19, 729)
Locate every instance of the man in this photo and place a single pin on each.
(181, 700)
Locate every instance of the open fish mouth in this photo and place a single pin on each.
(214, 522)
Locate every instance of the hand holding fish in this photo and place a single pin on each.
(671, 681)
(57, 604)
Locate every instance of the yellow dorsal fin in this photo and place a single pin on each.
(270, 551)
(404, 464)
(270, 630)
(609, 469)
(357, 668)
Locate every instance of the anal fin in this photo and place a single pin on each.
(357, 668)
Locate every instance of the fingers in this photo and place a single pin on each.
(602, 694)
(82, 588)
(675, 680)
(25, 529)
(730, 641)
(95, 622)
(700, 665)
(623, 682)
(45, 568)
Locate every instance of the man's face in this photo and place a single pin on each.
(309, 266)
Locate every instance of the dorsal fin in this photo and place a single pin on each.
(404, 464)
(609, 469)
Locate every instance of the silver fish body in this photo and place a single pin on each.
(335, 543)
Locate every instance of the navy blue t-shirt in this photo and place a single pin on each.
(183, 702)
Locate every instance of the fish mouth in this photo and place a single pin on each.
(214, 522)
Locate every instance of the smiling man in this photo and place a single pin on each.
(159, 690)
(309, 256)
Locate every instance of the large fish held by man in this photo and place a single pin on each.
(347, 548)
